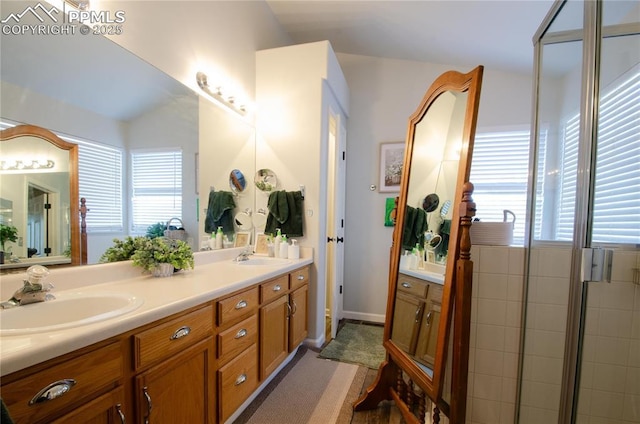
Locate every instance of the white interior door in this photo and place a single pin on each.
(336, 182)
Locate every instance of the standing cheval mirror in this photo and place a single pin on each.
(426, 332)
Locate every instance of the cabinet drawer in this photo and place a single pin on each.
(274, 288)
(412, 286)
(234, 307)
(86, 377)
(236, 381)
(299, 277)
(237, 338)
(172, 337)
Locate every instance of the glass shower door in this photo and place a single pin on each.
(609, 363)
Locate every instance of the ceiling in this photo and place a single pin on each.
(495, 33)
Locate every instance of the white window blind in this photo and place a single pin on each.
(100, 183)
(156, 187)
(617, 172)
(617, 176)
(499, 173)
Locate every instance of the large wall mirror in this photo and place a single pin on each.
(88, 88)
(426, 246)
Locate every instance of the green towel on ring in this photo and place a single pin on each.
(220, 212)
(285, 212)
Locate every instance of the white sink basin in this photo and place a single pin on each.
(67, 310)
(264, 262)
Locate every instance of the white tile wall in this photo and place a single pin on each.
(610, 380)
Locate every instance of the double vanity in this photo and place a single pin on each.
(116, 346)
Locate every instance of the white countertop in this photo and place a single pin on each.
(215, 275)
(423, 274)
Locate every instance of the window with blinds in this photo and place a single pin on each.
(617, 171)
(100, 183)
(156, 187)
(499, 173)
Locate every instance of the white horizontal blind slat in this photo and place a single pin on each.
(499, 173)
(156, 187)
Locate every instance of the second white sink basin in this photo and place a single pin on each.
(67, 310)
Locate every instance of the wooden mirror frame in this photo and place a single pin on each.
(390, 384)
(74, 203)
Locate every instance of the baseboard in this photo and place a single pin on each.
(359, 316)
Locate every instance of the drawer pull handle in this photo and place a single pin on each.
(53, 391)
(149, 405)
(180, 333)
(300, 277)
(277, 288)
(295, 308)
(241, 304)
(120, 413)
(289, 311)
(429, 318)
(418, 314)
(406, 285)
(241, 379)
(240, 334)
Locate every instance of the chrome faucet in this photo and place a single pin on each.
(243, 256)
(32, 291)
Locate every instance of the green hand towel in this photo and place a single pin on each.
(285, 212)
(220, 212)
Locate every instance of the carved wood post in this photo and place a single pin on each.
(462, 316)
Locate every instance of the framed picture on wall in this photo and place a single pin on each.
(261, 246)
(391, 160)
(243, 238)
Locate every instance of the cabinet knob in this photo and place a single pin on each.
(241, 379)
(300, 277)
(180, 333)
(277, 288)
(241, 304)
(53, 391)
(406, 285)
(240, 334)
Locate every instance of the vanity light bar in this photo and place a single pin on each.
(217, 93)
(19, 165)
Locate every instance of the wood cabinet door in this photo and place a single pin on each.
(180, 389)
(105, 409)
(406, 321)
(428, 336)
(274, 335)
(298, 323)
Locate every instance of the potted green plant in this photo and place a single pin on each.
(122, 250)
(161, 256)
(7, 233)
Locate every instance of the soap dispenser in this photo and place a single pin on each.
(284, 248)
(276, 243)
(219, 236)
(294, 250)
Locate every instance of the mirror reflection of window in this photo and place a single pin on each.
(156, 187)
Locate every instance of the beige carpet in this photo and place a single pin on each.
(313, 391)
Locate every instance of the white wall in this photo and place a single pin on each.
(384, 93)
(216, 37)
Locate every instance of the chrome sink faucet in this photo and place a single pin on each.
(243, 256)
(33, 290)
